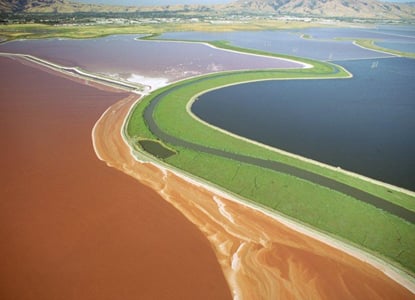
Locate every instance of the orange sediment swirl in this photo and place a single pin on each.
(260, 257)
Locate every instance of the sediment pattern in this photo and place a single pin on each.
(260, 257)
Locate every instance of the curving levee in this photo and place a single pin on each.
(331, 201)
(268, 164)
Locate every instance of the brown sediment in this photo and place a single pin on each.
(72, 228)
(261, 257)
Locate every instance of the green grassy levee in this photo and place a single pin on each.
(323, 209)
(326, 210)
(371, 45)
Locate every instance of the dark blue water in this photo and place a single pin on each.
(365, 124)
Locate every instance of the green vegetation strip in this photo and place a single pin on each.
(272, 165)
(329, 211)
(370, 44)
(322, 208)
(79, 31)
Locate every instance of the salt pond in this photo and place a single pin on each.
(320, 43)
(364, 124)
(156, 62)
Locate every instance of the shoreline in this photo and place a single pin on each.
(391, 271)
(233, 262)
(304, 65)
(290, 154)
(72, 228)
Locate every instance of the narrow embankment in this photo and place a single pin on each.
(272, 165)
(260, 257)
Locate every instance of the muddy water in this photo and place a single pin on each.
(72, 228)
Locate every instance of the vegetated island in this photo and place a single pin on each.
(163, 118)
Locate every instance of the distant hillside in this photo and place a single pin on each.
(328, 8)
(67, 6)
(57, 6)
(317, 8)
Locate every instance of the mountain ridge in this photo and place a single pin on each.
(370, 9)
(332, 8)
(72, 6)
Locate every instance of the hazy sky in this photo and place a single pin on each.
(156, 2)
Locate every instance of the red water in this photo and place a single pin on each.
(72, 228)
